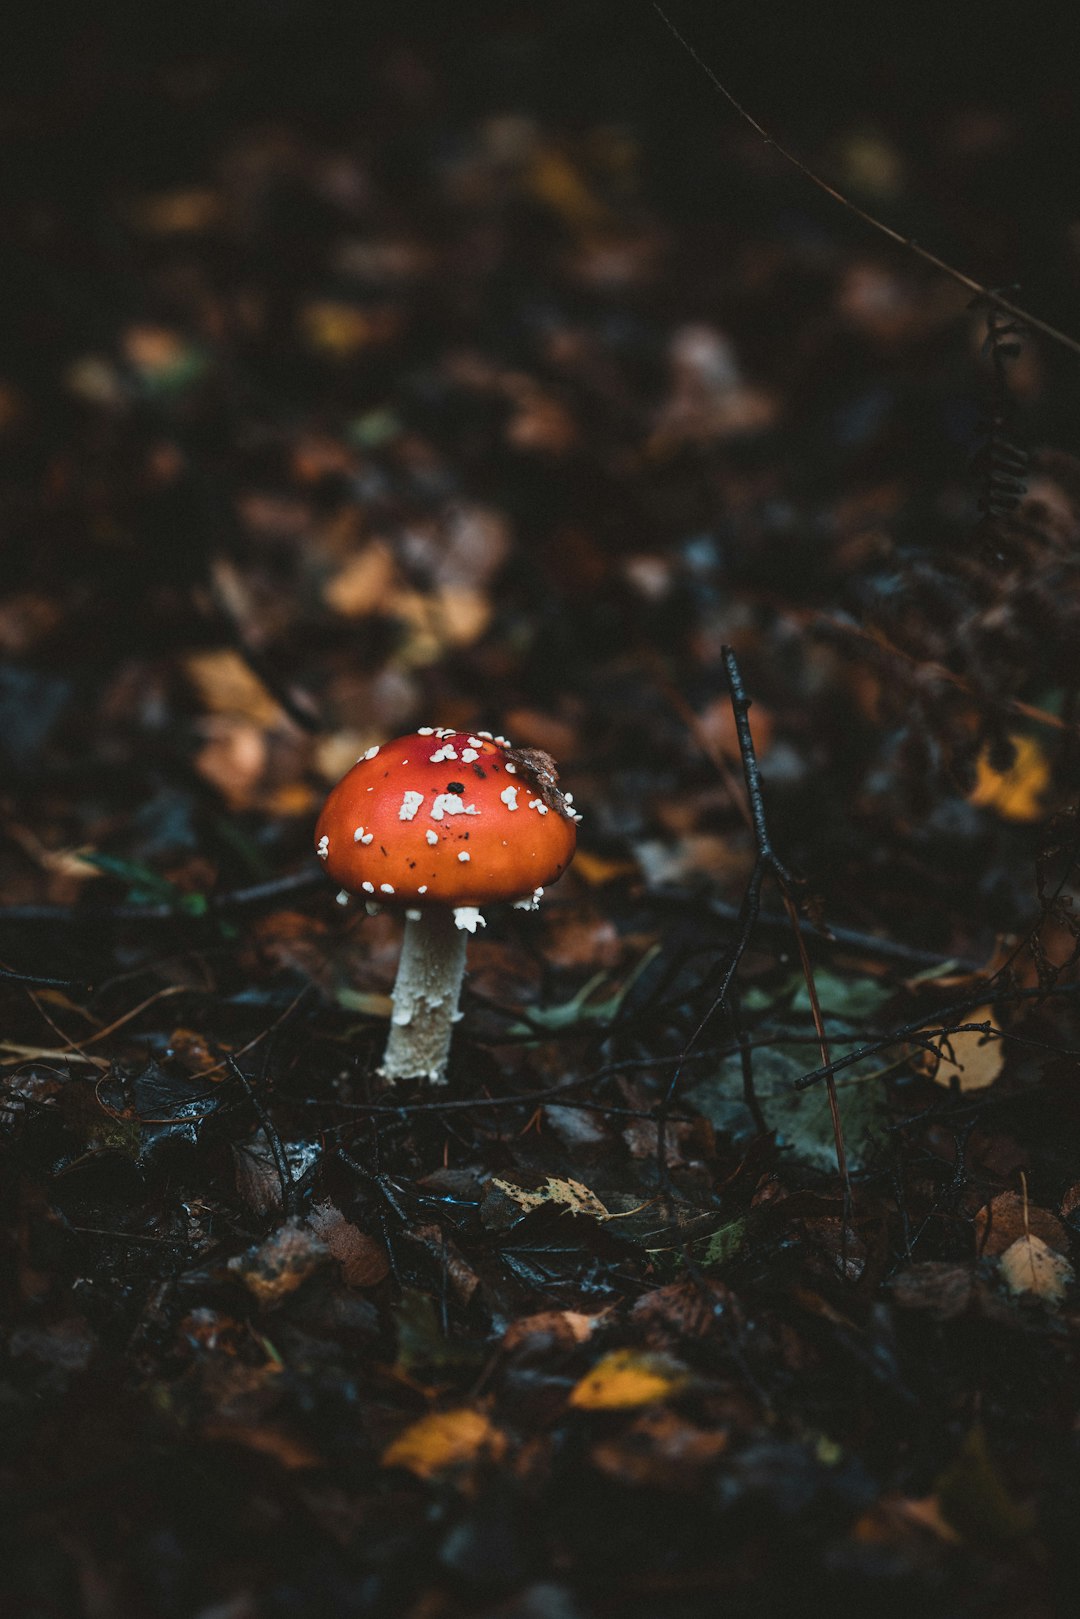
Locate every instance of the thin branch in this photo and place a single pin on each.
(236, 899)
(879, 225)
(276, 1145)
(921, 1025)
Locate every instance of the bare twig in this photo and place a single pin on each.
(236, 899)
(908, 242)
(274, 1141)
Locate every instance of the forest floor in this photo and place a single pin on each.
(322, 427)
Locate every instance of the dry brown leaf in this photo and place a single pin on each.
(566, 1328)
(364, 584)
(363, 1260)
(627, 1378)
(1000, 1222)
(1032, 1266)
(444, 1442)
(661, 1450)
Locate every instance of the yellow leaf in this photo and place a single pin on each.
(227, 685)
(444, 1442)
(1015, 794)
(976, 1060)
(574, 1196)
(1030, 1265)
(625, 1379)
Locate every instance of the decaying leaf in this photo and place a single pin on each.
(1008, 1216)
(281, 1264)
(446, 1442)
(628, 1378)
(363, 1260)
(661, 1450)
(1031, 1266)
(562, 1328)
(509, 1200)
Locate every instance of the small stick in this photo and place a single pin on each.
(277, 1147)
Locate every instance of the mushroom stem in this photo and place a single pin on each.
(425, 997)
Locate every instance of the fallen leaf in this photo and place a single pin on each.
(507, 1201)
(445, 1442)
(661, 1450)
(1000, 1222)
(1015, 794)
(363, 1260)
(627, 1378)
(974, 1060)
(277, 1267)
(227, 685)
(564, 1328)
(1032, 1266)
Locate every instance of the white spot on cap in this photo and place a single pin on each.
(323, 847)
(367, 837)
(386, 888)
(509, 797)
(342, 896)
(409, 806)
(538, 805)
(432, 837)
(530, 903)
(358, 835)
(422, 889)
(443, 753)
(511, 770)
(468, 918)
(369, 888)
(451, 804)
(503, 741)
(371, 752)
(486, 735)
(412, 915)
(464, 855)
(475, 742)
(468, 755)
(426, 730)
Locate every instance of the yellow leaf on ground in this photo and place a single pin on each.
(972, 1058)
(444, 1442)
(625, 1379)
(1015, 794)
(227, 685)
(571, 1195)
(1032, 1266)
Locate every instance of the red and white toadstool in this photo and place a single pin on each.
(439, 823)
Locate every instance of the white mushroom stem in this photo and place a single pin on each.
(425, 997)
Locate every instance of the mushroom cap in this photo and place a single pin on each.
(445, 817)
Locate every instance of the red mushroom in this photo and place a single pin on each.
(440, 823)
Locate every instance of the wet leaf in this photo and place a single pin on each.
(1018, 793)
(507, 1201)
(446, 1442)
(627, 1378)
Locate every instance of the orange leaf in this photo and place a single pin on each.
(444, 1442)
